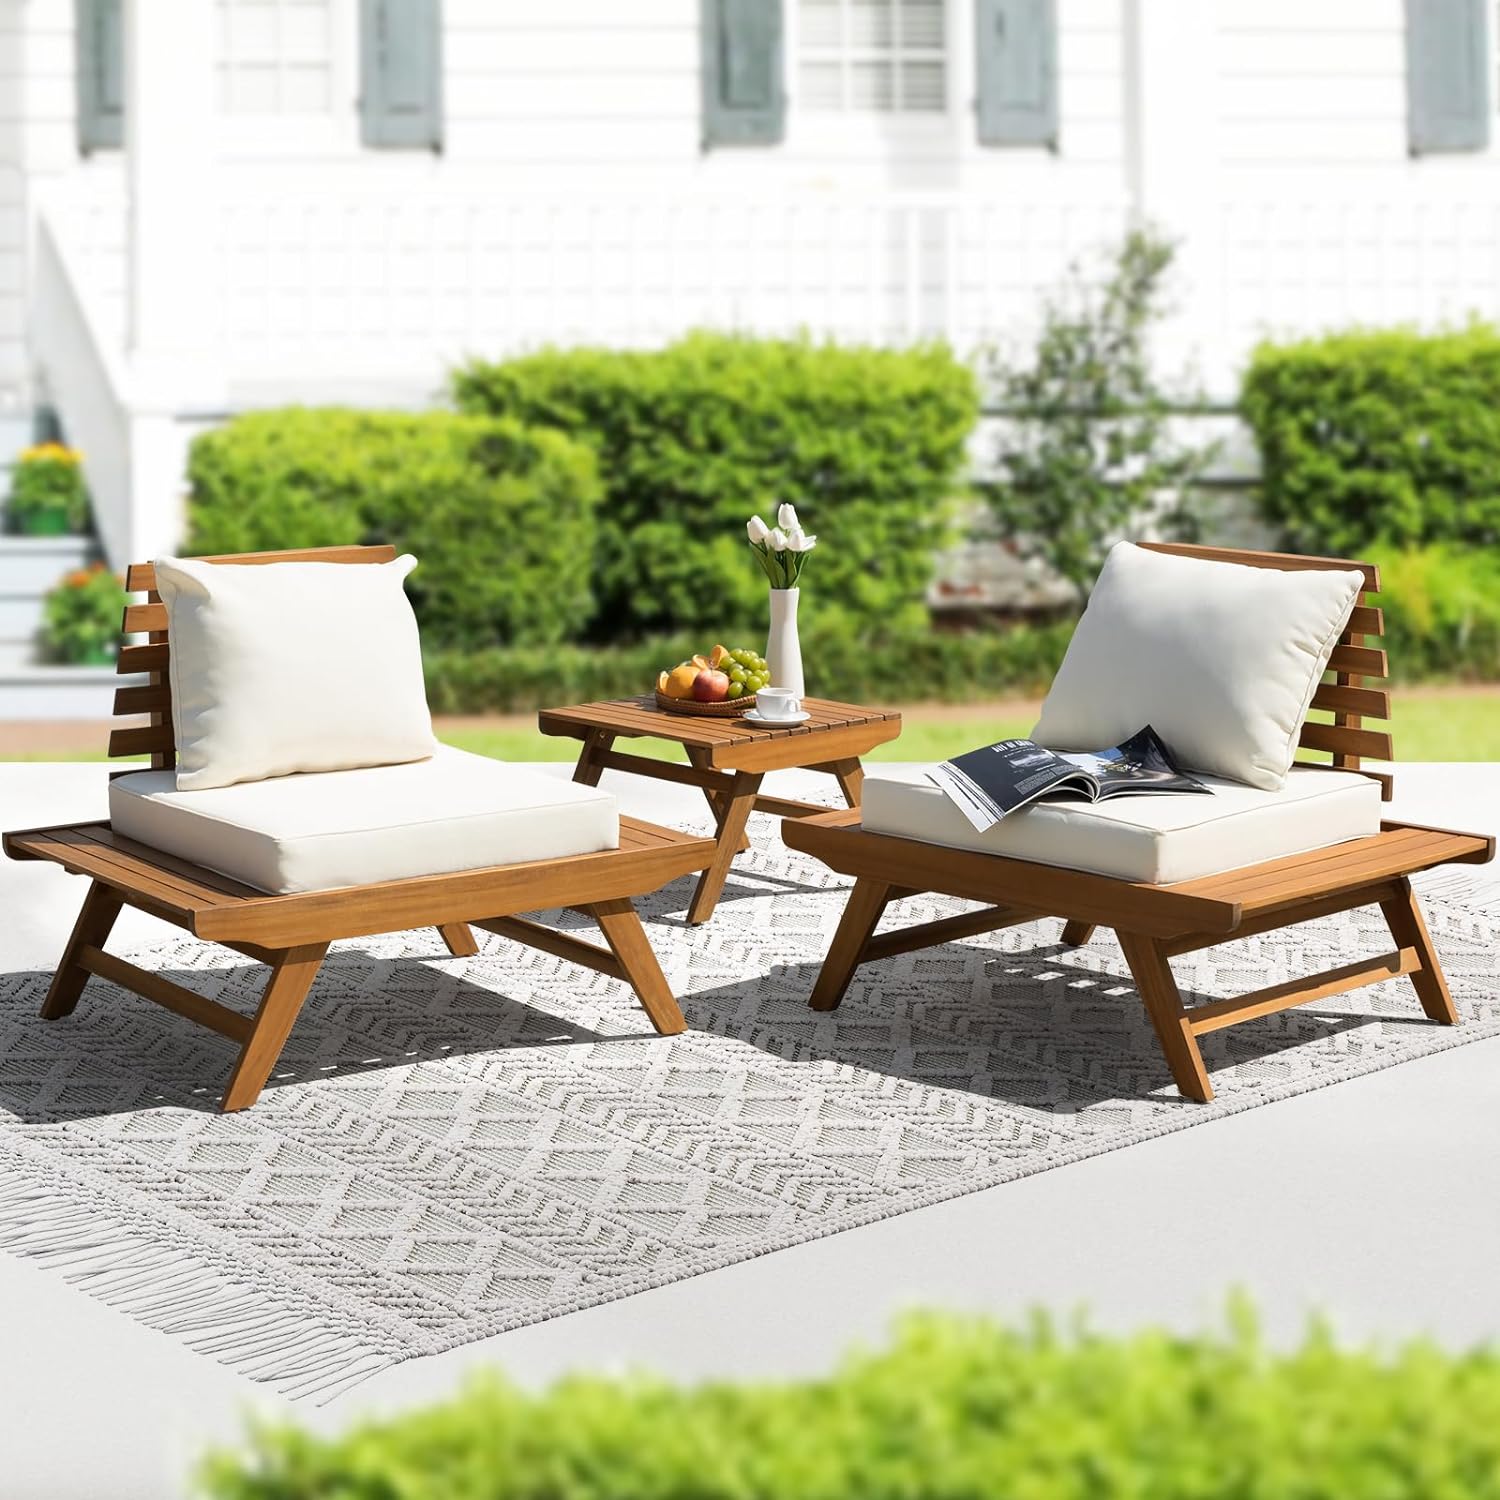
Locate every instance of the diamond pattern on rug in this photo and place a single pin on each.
(453, 1147)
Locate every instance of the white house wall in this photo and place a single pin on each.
(573, 200)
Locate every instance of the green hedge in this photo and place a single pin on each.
(501, 517)
(1442, 612)
(693, 439)
(894, 667)
(952, 1412)
(1391, 436)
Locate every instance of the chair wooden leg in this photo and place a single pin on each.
(867, 902)
(1163, 1002)
(740, 799)
(1404, 917)
(95, 920)
(1076, 934)
(621, 926)
(459, 939)
(291, 978)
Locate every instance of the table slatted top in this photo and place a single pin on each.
(639, 717)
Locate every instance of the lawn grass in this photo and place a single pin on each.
(1429, 724)
(1455, 724)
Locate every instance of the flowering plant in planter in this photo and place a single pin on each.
(47, 494)
(782, 549)
(81, 617)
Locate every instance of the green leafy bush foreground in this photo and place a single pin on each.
(893, 666)
(951, 1412)
(500, 516)
(695, 438)
(1387, 436)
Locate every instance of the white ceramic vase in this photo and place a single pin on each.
(783, 650)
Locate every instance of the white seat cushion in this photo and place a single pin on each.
(321, 830)
(1159, 839)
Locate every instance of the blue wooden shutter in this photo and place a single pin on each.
(101, 75)
(744, 99)
(1447, 76)
(1016, 67)
(401, 74)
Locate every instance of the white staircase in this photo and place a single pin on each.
(29, 566)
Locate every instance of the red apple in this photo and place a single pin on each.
(711, 687)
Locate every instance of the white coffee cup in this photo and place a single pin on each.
(778, 703)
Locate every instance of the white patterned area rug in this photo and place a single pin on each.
(455, 1147)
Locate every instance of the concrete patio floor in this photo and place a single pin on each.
(1376, 1202)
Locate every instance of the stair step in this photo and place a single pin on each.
(32, 564)
(59, 692)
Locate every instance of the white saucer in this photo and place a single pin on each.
(755, 716)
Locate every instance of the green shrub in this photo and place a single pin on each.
(694, 439)
(1390, 436)
(500, 516)
(1442, 612)
(904, 666)
(81, 617)
(952, 1412)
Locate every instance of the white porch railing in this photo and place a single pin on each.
(82, 363)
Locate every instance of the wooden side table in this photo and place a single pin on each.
(727, 758)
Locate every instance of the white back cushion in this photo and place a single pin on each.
(295, 666)
(1219, 658)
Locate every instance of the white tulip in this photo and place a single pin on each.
(786, 517)
(777, 540)
(798, 540)
(756, 529)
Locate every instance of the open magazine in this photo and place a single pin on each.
(987, 784)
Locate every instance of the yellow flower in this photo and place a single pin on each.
(51, 453)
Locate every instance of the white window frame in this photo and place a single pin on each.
(814, 132)
(334, 132)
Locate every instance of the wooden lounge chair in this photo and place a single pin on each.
(1154, 923)
(291, 933)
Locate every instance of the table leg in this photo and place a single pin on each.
(739, 800)
(718, 802)
(590, 768)
(851, 779)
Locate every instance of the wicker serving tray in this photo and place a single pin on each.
(729, 708)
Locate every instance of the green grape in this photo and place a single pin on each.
(736, 690)
(757, 682)
(738, 674)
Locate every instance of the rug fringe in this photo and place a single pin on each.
(175, 1294)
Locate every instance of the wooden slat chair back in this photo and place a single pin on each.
(153, 658)
(1353, 689)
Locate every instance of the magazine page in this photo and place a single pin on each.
(1140, 764)
(987, 784)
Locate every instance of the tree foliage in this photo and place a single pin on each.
(1087, 456)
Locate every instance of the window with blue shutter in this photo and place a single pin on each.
(744, 97)
(1447, 76)
(1015, 60)
(101, 75)
(401, 74)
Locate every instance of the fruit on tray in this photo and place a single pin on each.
(722, 675)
